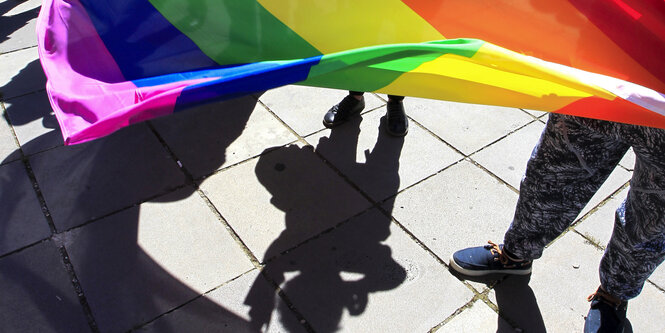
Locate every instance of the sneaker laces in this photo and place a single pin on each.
(496, 250)
(605, 297)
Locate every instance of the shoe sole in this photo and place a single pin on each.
(453, 264)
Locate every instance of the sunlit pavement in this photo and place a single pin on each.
(249, 215)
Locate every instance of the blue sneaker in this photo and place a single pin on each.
(607, 313)
(488, 259)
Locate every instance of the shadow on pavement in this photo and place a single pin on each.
(515, 299)
(100, 181)
(338, 270)
(9, 24)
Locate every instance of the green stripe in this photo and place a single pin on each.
(232, 32)
(372, 68)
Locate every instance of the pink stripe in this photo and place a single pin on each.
(84, 79)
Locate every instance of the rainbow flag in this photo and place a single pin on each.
(113, 63)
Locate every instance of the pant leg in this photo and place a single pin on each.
(637, 245)
(355, 93)
(568, 165)
(395, 98)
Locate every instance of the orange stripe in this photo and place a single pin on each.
(551, 30)
(619, 110)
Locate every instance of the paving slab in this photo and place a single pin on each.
(90, 180)
(478, 318)
(628, 160)
(382, 165)
(618, 178)
(302, 108)
(225, 310)
(507, 158)
(20, 73)
(21, 219)
(565, 311)
(215, 136)
(9, 151)
(290, 191)
(467, 127)
(34, 122)
(19, 20)
(536, 113)
(658, 277)
(645, 311)
(599, 225)
(37, 294)
(561, 280)
(367, 276)
(463, 206)
(139, 263)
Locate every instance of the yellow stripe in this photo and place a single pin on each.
(333, 26)
(489, 77)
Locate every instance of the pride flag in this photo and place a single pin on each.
(113, 63)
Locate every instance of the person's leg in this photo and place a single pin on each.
(351, 105)
(397, 124)
(637, 245)
(570, 162)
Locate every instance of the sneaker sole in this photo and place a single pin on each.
(467, 272)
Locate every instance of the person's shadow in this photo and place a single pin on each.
(338, 270)
(88, 190)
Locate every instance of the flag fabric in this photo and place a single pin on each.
(113, 63)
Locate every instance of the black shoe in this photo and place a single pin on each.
(396, 122)
(342, 111)
(607, 313)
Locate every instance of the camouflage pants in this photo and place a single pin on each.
(571, 161)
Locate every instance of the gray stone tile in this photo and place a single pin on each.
(628, 161)
(302, 108)
(90, 180)
(478, 318)
(368, 276)
(467, 127)
(20, 73)
(598, 226)
(141, 262)
(564, 311)
(34, 123)
(8, 149)
(658, 277)
(507, 158)
(21, 219)
(221, 134)
(291, 195)
(225, 310)
(37, 294)
(645, 311)
(462, 206)
(378, 163)
(560, 289)
(536, 113)
(19, 20)
(618, 178)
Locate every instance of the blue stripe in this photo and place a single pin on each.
(246, 79)
(159, 50)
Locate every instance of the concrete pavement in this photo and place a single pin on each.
(249, 215)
